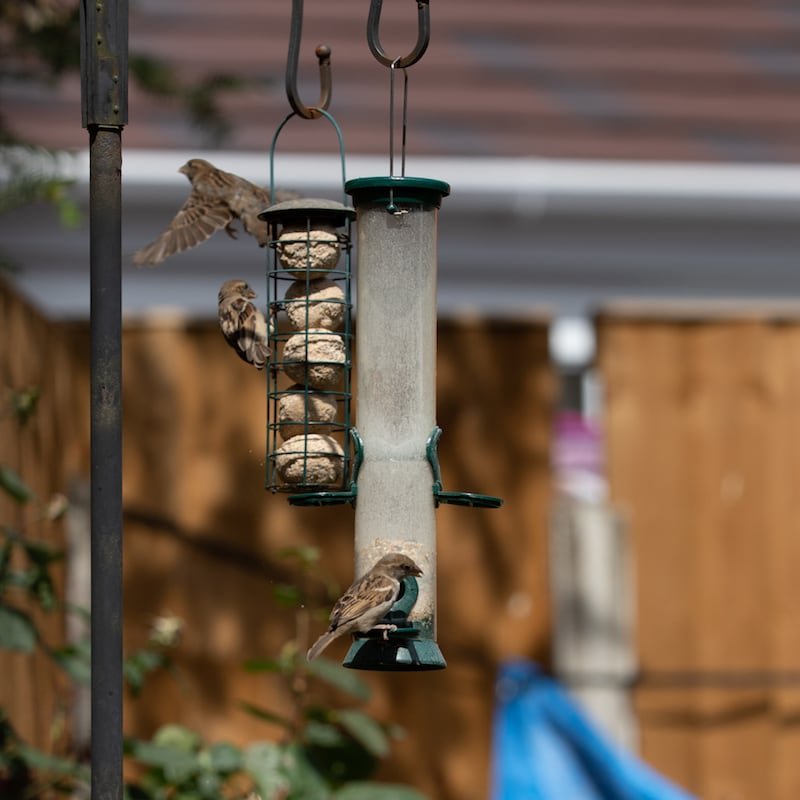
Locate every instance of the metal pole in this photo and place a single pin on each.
(106, 453)
(104, 54)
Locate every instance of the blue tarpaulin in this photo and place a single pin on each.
(546, 749)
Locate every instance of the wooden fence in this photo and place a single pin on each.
(45, 451)
(202, 537)
(703, 425)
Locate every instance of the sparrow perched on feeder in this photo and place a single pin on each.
(363, 605)
(217, 198)
(243, 325)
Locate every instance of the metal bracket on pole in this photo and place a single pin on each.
(104, 62)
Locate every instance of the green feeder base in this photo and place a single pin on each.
(401, 650)
(395, 654)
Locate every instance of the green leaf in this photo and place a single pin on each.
(209, 785)
(307, 555)
(40, 587)
(69, 213)
(367, 790)
(14, 485)
(287, 595)
(177, 737)
(263, 665)
(337, 676)
(225, 757)
(40, 553)
(75, 659)
(133, 792)
(263, 761)
(176, 764)
(5, 560)
(304, 778)
(137, 666)
(323, 734)
(17, 631)
(154, 75)
(365, 730)
(24, 402)
(53, 765)
(265, 715)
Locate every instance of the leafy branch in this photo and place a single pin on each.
(319, 751)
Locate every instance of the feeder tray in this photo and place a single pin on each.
(401, 650)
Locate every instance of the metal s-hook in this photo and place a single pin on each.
(423, 35)
(323, 53)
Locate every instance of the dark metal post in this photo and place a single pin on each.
(104, 70)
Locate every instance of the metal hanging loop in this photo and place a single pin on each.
(423, 35)
(323, 53)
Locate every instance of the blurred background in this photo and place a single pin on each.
(618, 358)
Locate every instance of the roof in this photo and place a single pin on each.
(623, 79)
(599, 152)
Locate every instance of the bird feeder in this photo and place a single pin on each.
(399, 482)
(393, 477)
(309, 440)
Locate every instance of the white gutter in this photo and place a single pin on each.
(521, 185)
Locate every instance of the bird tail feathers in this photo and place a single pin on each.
(320, 644)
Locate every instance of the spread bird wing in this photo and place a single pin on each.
(197, 220)
(247, 201)
(371, 592)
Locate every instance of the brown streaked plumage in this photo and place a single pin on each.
(243, 325)
(217, 198)
(362, 606)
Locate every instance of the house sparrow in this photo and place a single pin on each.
(243, 325)
(216, 199)
(362, 606)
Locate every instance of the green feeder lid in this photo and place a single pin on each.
(394, 189)
(303, 207)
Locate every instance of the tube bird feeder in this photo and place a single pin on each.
(396, 348)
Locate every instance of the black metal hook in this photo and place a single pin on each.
(323, 53)
(423, 35)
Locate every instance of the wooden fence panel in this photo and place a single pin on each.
(36, 354)
(202, 537)
(703, 425)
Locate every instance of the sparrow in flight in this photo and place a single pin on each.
(217, 199)
(366, 602)
(243, 325)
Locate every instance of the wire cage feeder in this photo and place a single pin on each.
(312, 447)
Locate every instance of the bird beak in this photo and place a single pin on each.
(184, 169)
(251, 294)
(417, 572)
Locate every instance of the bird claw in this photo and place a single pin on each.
(231, 231)
(387, 629)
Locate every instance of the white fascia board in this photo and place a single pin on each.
(520, 185)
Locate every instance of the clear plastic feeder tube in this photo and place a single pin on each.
(396, 375)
